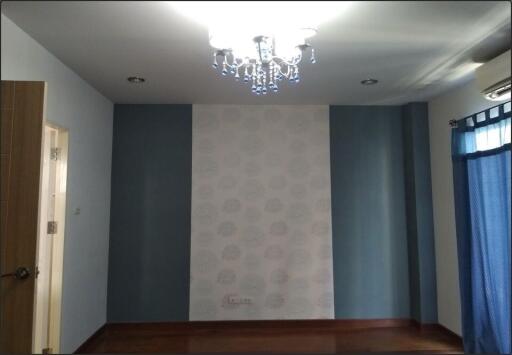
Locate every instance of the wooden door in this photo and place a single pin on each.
(22, 108)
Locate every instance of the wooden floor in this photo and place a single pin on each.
(271, 336)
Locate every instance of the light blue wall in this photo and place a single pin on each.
(150, 216)
(73, 104)
(371, 278)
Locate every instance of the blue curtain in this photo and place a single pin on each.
(481, 168)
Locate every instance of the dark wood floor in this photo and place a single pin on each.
(273, 336)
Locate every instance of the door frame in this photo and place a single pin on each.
(57, 245)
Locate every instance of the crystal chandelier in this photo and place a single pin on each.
(255, 43)
(263, 66)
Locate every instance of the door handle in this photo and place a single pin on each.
(21, 273)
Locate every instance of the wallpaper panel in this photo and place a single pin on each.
(261, 245)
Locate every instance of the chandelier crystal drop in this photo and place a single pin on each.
(261, 66)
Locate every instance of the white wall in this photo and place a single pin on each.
(455, 104)
(75, 105)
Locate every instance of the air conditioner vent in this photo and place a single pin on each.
(493, 78)
(498, 92)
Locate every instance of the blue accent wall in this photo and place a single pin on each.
(383, 245)
(370, 254)
(149, 256)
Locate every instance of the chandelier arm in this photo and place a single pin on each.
(279, 67)
(297, 60)
(239, 64)
(285, 63)
(232, 65)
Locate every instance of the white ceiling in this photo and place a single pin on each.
(416, 49)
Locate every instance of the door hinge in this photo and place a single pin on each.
(46, 351)
(52, 227)
(55, 154)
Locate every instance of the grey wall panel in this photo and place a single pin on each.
(420, 223)
(370, 253)
(149, 257)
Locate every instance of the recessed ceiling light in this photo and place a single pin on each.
(136, 79)
(369, 81)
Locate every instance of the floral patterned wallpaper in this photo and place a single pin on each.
(261, 243)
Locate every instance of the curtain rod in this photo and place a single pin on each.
(454, 123)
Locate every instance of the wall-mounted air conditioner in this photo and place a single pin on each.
(493, 78)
